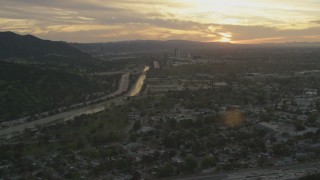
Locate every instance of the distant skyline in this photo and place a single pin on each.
(235, 21)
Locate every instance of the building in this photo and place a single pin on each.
(196, 57)
(310, 92)
(169, 62)
(163, 88)
(177, 53)
(268, 127)
(156, 64)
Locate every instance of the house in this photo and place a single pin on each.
(264, 156)
(268, 126)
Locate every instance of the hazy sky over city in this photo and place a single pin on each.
(237, 21)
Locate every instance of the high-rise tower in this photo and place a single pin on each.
(177, 53)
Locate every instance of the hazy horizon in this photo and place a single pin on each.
(186, 40)
(245, 22)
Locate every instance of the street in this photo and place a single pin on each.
(291, 171)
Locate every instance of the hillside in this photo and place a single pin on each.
(31, 48)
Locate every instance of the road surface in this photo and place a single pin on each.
(11, 131)
(135, 90)
(292, 171)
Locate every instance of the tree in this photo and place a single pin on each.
(311, 177)
(281, 149)
(190, 165)
(136, 126)
(121, 164)
(318, 105)
(170, 141)
(136, 176)
(299, 126)
(172, 123)
(312, 118)
(165, 171)
(208, 162)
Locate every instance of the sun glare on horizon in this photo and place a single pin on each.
(225, 37)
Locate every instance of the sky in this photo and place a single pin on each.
(235, 21)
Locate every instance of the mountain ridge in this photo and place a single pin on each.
(142, 46)
(32, 48)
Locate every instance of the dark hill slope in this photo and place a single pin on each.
(26, 89)
(32, 48)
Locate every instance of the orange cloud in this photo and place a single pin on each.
(246, 21)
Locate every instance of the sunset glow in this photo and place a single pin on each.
(199, 20)
(225, 37)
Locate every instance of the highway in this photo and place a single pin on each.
(11, 131)
(89, 109)
(122, 87)
(138, 85)
(291, 171)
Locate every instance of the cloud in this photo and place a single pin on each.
(199, 20)
(317, 22)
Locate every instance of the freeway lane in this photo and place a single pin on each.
(135, 90)
(291, 171)
(63, 116)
